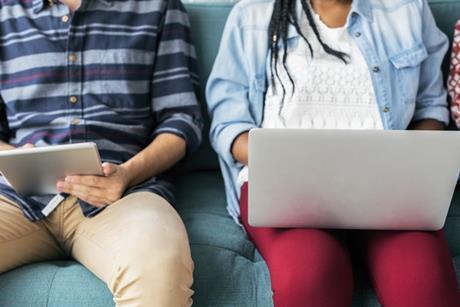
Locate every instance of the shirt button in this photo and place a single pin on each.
(376, 69)
(65, 18)
(386, 109)
(73, 99)
(75, 121)
(73, 57)
(358, 34)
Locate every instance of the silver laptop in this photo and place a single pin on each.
(352, 179)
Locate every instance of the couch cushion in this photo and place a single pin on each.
(61, 283)
(452, 228)
(446, 13)
(229, 271)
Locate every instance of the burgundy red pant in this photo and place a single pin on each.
(312, 267)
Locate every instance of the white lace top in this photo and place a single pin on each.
(329, 94)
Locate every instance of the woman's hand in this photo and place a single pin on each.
(427, 124)
(98, 191)
(240, 148)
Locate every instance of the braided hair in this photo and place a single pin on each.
(284, 14)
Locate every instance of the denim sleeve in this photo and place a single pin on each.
(432, 95)
(227, 90)
(4, 126)
(175, 80)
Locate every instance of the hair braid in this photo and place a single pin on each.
(273, 30)
(284, 13)
(285, 17)
(341, 55)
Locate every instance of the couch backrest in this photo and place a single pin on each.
(446, 13)
(208, 18)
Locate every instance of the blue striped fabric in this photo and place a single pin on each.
(115, 72)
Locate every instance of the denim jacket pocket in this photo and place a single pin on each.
(292, 43)
(406, 69)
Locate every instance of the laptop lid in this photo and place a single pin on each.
(352, 179)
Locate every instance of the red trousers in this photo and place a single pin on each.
(312, 267)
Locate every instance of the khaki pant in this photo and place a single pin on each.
(138, 246)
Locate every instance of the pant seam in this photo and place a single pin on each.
(110, 278)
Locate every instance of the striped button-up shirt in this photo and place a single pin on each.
(114, 72)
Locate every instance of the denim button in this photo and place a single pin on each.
(376, 69)
(386, 109)
(358, 34)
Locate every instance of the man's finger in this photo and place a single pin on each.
(84, 193)
(28, 145)
(92, 181)
(97, 202)
(80, 189)
(109, 168)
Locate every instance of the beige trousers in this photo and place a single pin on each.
(138, 246)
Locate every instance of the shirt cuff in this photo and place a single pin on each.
(181, 128)
(439, 113)
(228, 135)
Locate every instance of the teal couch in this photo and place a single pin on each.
(229, 270)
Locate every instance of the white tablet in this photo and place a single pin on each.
(35, 171)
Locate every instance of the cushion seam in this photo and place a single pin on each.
(229, 249)
(51, 286)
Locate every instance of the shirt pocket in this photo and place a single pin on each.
(126, 78)
(292, 44)
(406, 71)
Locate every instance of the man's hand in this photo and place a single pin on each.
(98, 191)
(164, 151)
(28, 145)
(6, 146)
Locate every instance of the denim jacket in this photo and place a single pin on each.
(399, 40)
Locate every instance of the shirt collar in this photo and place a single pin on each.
(362, 8)
(40, 5)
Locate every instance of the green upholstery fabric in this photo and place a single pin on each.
(206, 36)
(446, 13)
(229, 271)
(62, 283)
